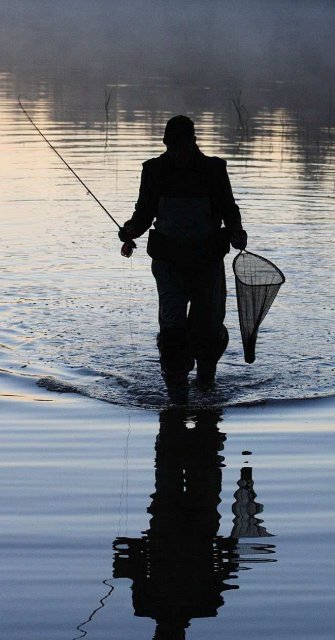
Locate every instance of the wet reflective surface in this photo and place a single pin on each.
(77, 314)
(181, 567)
(211, 521)
(228, 533)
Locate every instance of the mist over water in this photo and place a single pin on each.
(225, 47)
(257, 78)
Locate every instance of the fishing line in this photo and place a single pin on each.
(130, 316)
(102, 604)
(124, 490)
(128, 292)
(125, 483)
(139, 326)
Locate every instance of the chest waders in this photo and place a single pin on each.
(191, 289)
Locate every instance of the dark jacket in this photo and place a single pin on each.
(207, 176)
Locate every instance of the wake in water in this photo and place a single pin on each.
(79, 318)
(130, 375)
(149, 392)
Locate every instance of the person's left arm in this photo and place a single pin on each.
(231, 215)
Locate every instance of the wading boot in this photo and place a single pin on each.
(206, 371)
(177, 388)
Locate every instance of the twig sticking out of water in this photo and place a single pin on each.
(242, 112)
(330, 126)
(107, 101)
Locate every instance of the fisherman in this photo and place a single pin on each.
(187, 196)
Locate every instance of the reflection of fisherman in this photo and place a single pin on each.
(179, 566)
(188, 195)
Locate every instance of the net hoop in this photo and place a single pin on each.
(271, 264)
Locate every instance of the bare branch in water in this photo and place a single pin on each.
(242, 112)
(107, 100)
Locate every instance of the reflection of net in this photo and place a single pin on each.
(257, 283)
(245, 509)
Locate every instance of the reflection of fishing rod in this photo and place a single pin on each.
(127, 247)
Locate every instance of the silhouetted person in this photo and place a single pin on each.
(187, 196)
(180, 565)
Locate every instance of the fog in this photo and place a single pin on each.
(225, 46)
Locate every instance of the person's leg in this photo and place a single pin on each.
(208, 334)
(172, 339)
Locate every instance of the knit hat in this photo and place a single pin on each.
(178, 129)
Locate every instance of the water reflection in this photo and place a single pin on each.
(188, 41)
(181, 565)
(283, 183)
(263, 122)
(246, 525)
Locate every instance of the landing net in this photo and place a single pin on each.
(257, 283)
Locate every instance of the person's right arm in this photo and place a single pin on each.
(144, 213)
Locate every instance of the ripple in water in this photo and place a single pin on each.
(72, 304)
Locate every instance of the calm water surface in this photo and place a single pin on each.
(228, 532)
(74, 309)
(118, 522)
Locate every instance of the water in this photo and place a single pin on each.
(80, 315)
(113, 512)
(230, 530)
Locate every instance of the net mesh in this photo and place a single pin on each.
(257, 283)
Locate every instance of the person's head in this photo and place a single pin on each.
(180, 140)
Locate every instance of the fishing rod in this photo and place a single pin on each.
(129, 246)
